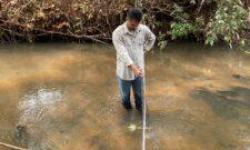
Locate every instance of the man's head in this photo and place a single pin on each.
(134, 18)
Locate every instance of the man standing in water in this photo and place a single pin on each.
(131, 40)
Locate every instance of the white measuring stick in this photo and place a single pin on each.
(144, 110)
(138, 3)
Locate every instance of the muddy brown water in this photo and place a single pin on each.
(65, 97)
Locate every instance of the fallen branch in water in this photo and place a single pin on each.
(44, 32)
(12, 146)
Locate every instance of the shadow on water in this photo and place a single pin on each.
(230, 104)
(233, 107)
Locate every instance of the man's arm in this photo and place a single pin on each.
(150, 39)
(121, 49)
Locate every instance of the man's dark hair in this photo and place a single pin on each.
(135, 14)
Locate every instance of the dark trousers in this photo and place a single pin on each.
(125, 88)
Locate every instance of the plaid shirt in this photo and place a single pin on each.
(130, 47)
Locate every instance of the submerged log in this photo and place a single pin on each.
(12, 146)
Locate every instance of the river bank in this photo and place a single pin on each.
(86, 20)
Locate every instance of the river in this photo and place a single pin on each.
(65, 97)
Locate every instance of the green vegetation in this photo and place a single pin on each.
(207, 21)
(228, 23)
(180, 30)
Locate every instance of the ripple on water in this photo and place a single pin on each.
(35, 104)
(31, 128)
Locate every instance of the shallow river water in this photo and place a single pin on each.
(65, 97)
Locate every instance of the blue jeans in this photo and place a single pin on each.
(125, 88)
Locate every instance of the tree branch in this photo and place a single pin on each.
(87, 37)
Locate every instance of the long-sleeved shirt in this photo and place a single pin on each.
(130, 47)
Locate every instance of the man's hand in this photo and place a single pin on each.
(137, 70)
